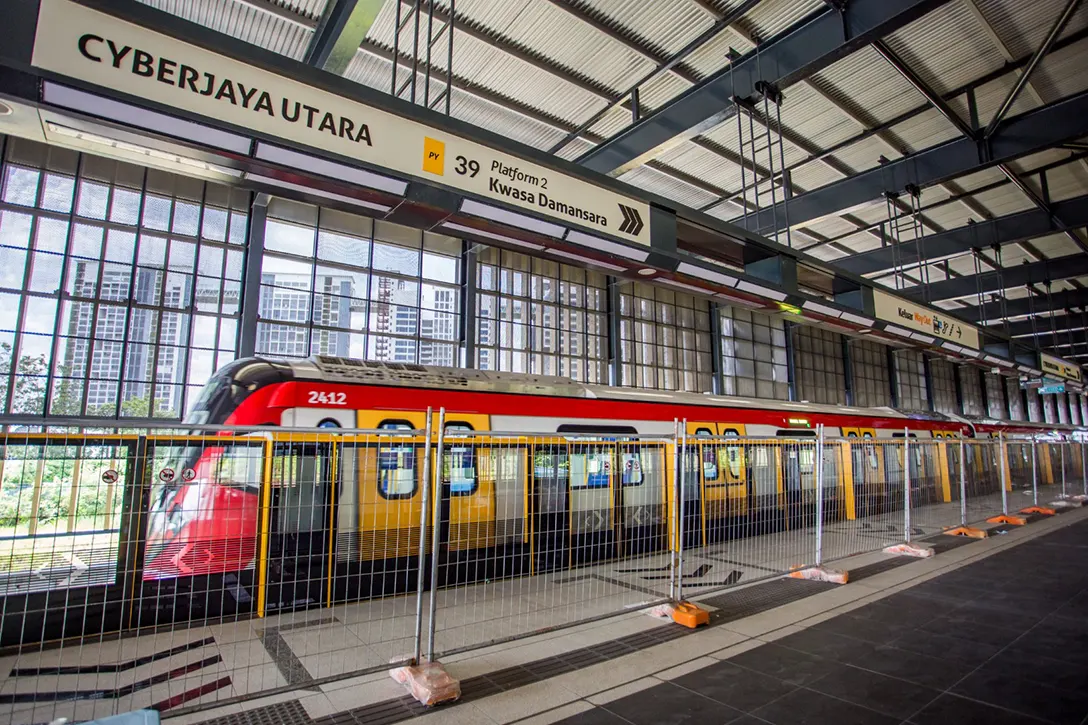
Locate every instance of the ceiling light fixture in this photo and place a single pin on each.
(709, 275)
(603, 245)
(510, 218)
(586, 260)
(756, 289)
(647, 271)
(145, 154)
(257, 178)
(5, 109)
(331, 169)
(112, 110)
(462, 229)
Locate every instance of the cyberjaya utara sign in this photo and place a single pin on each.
(79, 42)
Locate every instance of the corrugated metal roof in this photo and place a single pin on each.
(541, 56)
(244, 22)
(947, 48)
(1023, 25)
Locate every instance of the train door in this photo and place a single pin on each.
(704, 486)
(305, 482)
(798, 475)
(467, 523)
(550, 507)
(721, 471)
(639, 487)
(865, 462)
(952, 470)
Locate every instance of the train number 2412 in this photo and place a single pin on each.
(317, 397)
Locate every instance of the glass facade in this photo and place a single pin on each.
(1016, 398)
(910, 379)
(538, 316)
(340, 284)
(995, 397)
(664, 339)
(124, 287)
(1035, 406)
(943, 382)
(872, 384)
(819, 365)
(753, 355)
(974, 403)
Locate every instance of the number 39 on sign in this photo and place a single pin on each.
(317, 397)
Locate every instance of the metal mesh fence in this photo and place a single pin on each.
(182, 568)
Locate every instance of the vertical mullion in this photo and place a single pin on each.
(50, 388)
(469, 303)
(252, 261)
(193, 308)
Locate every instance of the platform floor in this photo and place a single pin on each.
(602, 671)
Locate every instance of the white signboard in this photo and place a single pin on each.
(924, 319)
(98, 48)
(1059, 368)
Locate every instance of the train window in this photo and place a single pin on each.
(390, 424)
(590, 470)
(703, 432)
(612, 429)
(632, 469)
(456, 426)
(794, 433)
(710, 463)
(328, 423)
(397, 471)
(874, 463)
(459, 470)
(732, 453)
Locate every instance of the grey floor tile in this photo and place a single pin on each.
(735, 686)
(806, 707)
(913, 667)
(826, 644)
(888, 695)
(1065, 706)
(954, 710)
(789, 665)
(669, 704)
(596, 716)
(971, 654)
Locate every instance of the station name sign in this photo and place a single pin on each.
(923, 319)
(80, 42)
(1059, 368)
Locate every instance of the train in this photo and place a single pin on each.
(538, 473)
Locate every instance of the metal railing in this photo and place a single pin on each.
(223, 563)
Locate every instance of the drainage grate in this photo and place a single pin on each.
(281, 713)
(754, 600)
(879, 567)
(944, 542)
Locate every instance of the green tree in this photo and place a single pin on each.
(28, 394)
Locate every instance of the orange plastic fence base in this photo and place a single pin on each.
(428, 683)
(1010, 520)
(690, 615)
(1038, 510)
(908, 549)
(967, 531)
(820, 574)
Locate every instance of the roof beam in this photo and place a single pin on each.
(1027, 133)
(1044, 324)
(1071, 265)
(1020, 307)
(340, 32)
(804, 49)
(1025, 77)
(1010, 229)
(1060, 339)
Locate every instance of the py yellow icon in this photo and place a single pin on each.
(434, 156)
